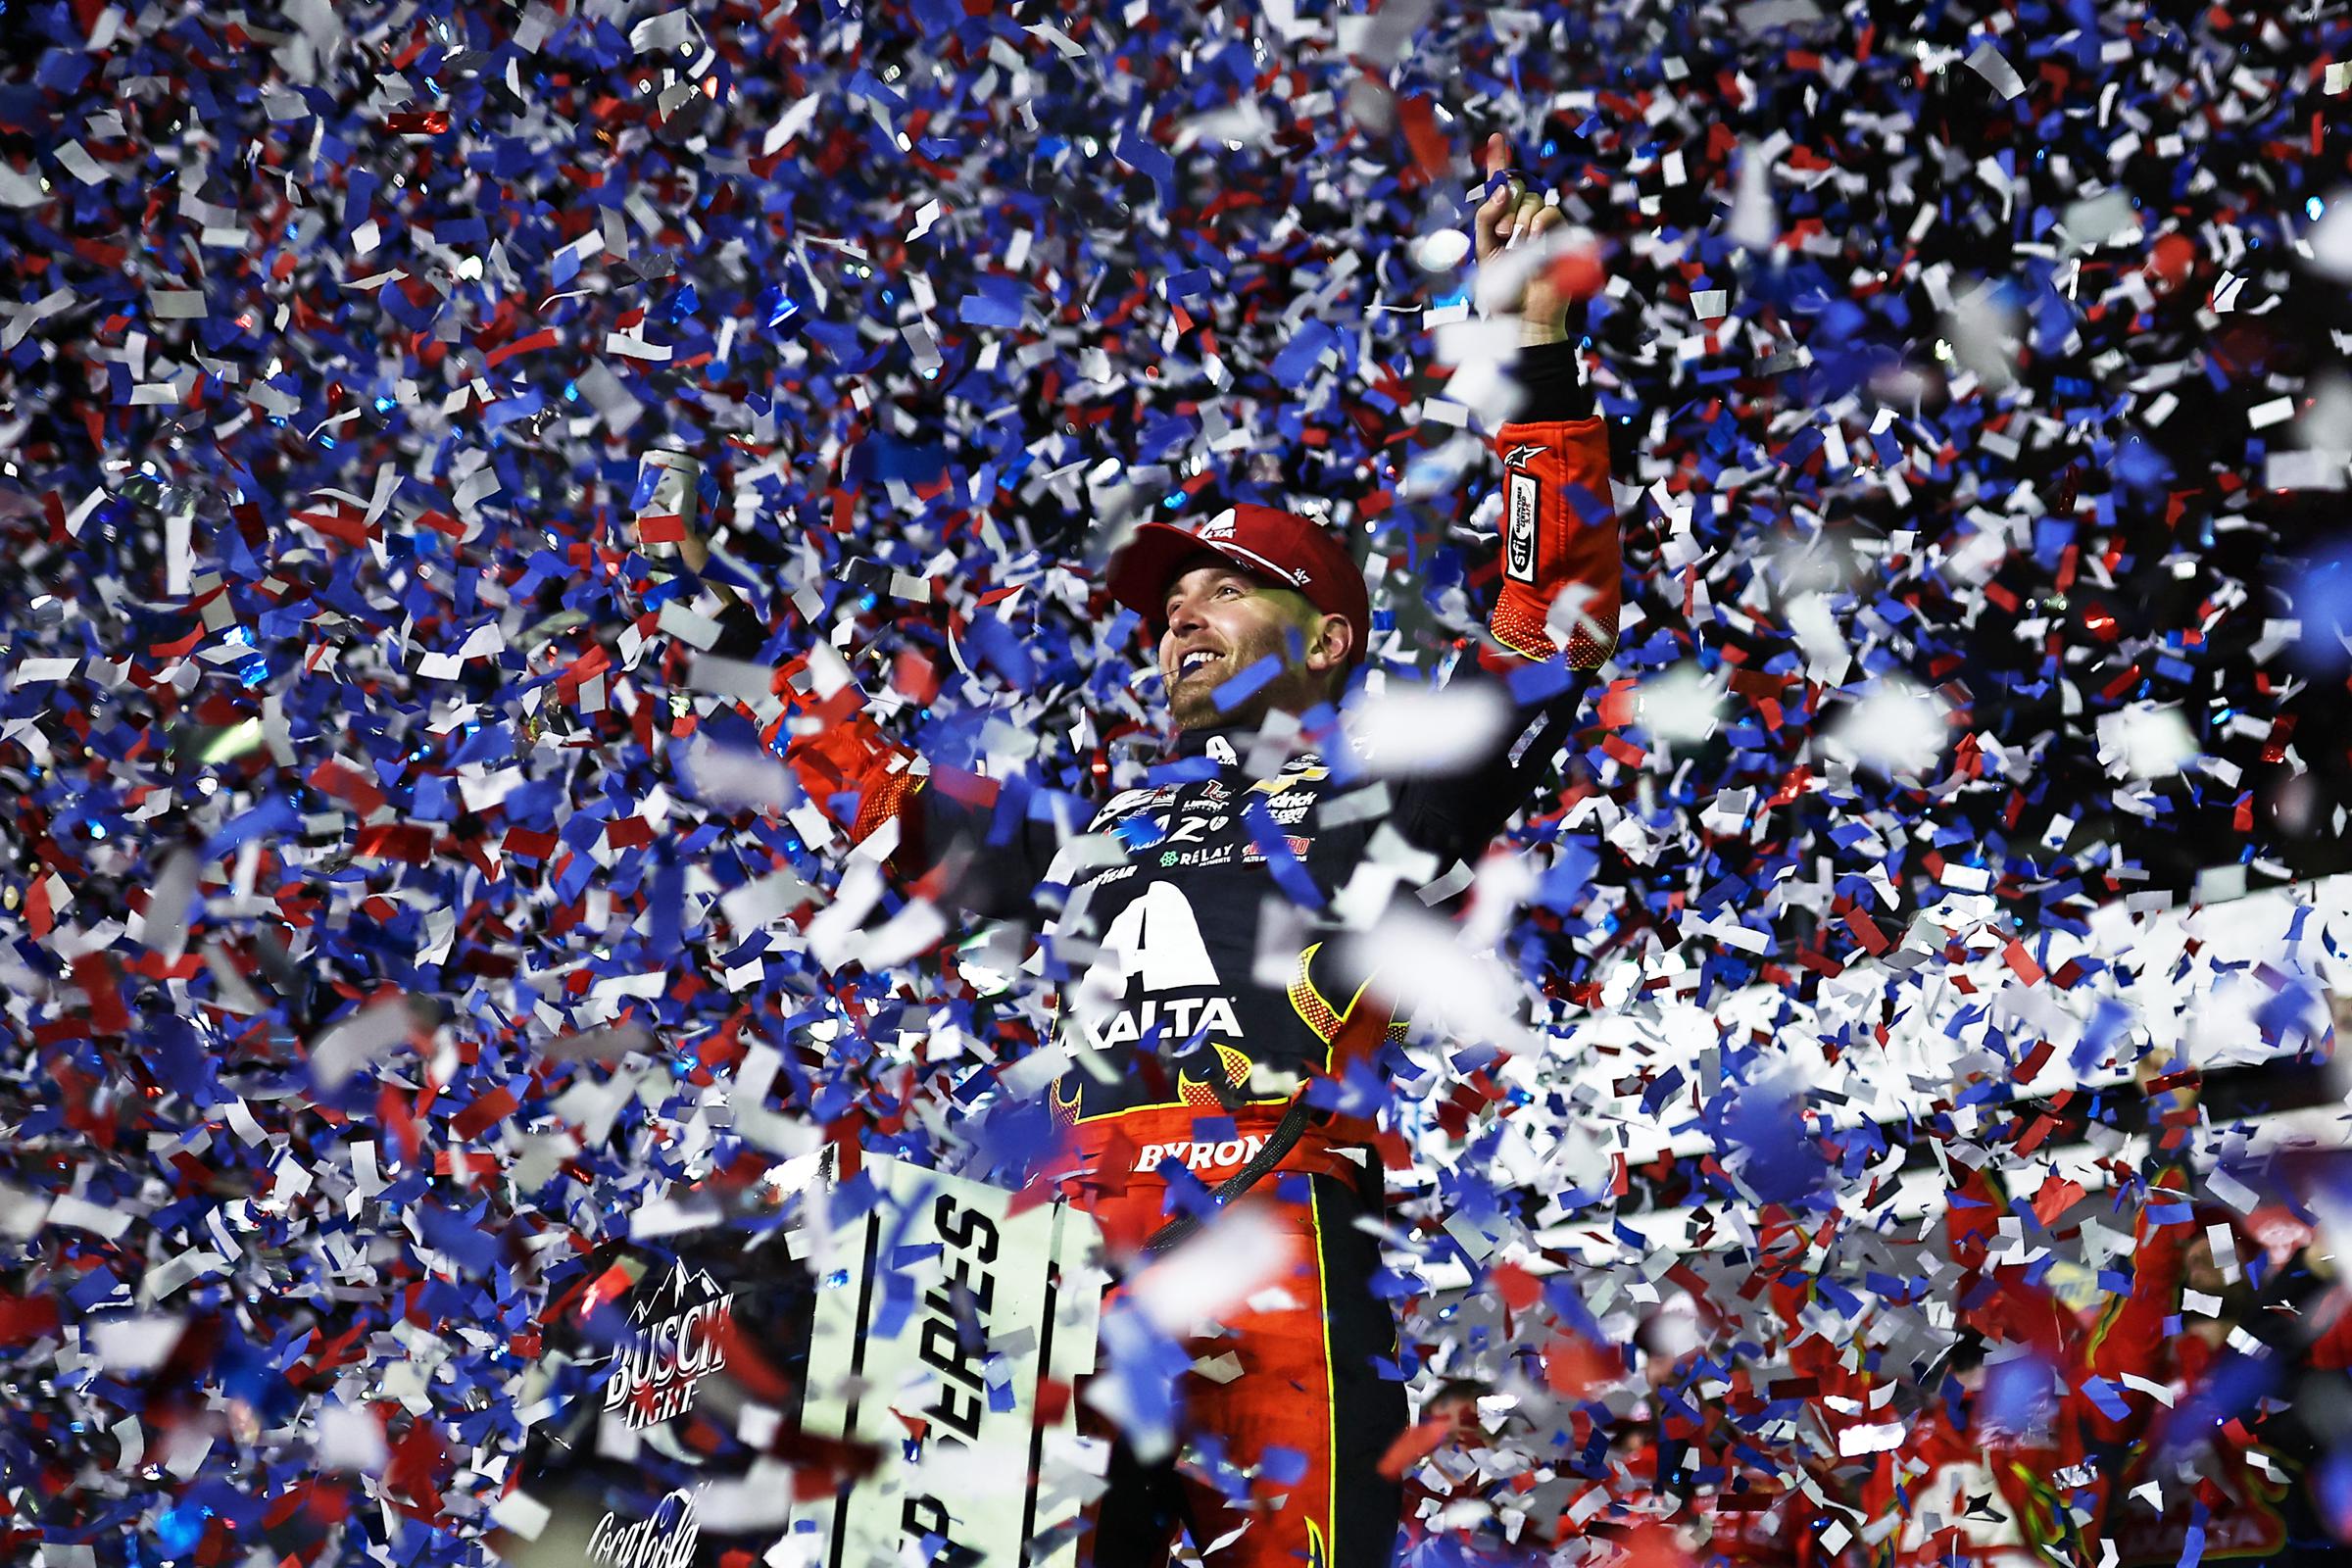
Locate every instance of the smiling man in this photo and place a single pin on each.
(1211, 1048)
(1261, 611)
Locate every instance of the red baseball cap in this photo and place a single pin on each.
(1281, 547)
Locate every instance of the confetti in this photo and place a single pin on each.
(426, 865)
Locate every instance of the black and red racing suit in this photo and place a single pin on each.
(1185, 1046)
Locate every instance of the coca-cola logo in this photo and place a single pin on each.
(664, 1539)
(680, 1340)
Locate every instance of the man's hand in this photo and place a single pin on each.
(1514, 221)
(694, 554)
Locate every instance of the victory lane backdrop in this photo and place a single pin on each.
(404, 900)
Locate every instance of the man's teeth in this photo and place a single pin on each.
(1194, 661)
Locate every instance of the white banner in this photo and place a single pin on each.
(940, 1312)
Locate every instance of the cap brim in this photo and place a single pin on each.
(1145, 565)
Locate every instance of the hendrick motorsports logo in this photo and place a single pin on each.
(663, 1540)
(680, 1339)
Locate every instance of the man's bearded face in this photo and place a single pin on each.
(1221, 622)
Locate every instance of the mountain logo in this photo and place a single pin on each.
(681, 1338)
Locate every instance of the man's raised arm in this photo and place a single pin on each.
(1554, 619)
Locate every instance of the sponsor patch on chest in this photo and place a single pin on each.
(1291, 806)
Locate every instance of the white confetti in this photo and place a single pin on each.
(1995, 66)
(1896, 727)
(1428, 730)
(1220, 1266)
(2146, 740)
(369, 1035)
(135, 1343)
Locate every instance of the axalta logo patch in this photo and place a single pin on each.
(1178, 1019)
(1202, 1155)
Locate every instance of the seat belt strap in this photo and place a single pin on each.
(1279, 1141)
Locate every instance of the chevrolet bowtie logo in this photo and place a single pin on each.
(1519, 456)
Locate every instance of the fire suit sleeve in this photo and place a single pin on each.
(844, 762)
(970, 839)
(979, 840)
(1562, 560)
(1560, 546)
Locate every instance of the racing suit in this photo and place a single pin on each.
(2058, 1471)
(1185, 1046)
